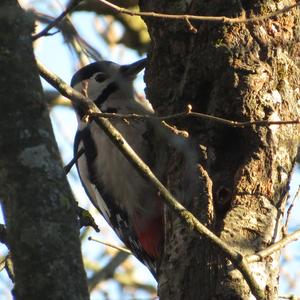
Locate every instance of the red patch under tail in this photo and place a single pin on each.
(150, 232)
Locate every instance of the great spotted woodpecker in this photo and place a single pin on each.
(126, 201)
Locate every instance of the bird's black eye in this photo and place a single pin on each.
(100, 77)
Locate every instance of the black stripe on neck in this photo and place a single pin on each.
(111, 88)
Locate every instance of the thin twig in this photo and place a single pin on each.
(190, 26)
(123, 249)
(191, 114)
(259, 256)
(297, 195)
(69, 166)
(186, 216)
(45, 31)
(86, 219)
(9, 268)
(290, 297)
(174, 130)
(222, 19)
(81, 47)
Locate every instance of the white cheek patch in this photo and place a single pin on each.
(95, 88)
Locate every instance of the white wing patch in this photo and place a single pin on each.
(101, 204)
(91, 188)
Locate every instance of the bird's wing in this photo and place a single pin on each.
(115, 216)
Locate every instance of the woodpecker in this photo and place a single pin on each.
(127, 202)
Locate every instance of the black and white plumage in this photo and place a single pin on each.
(124, 198)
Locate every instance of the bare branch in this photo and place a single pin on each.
(273, 248)
(297, 195)
(190, 26)
(108, 271)
(80, 46)
(45, 31)
(187, 18)
(9, 268)
(86, 219)
(110, 245)
(130, 281)
(53, 98)
(291, 297)
(69, 166)
(186, 216)
(197, 115)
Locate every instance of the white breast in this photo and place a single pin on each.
(114, 171)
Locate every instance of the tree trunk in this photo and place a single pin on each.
(40, 213)
(242, 72)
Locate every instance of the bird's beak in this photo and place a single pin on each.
(130, 71)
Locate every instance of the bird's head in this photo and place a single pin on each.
(110, 85)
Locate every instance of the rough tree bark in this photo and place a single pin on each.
(40, 213)
(245, 71)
